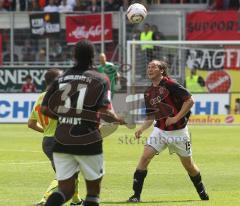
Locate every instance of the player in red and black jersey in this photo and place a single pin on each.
(168, 104)
(78, 99)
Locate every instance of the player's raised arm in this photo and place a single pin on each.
(109, 115)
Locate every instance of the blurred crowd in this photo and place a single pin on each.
(61, 5)
(224, 4)
(95, 5)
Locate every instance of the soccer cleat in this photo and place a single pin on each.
(76, 203)
(203, 195)
(134, 199)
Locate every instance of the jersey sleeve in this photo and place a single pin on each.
(178, 91)
(33, 114)
(51, 90)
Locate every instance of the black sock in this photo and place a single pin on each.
(197, 182)
(91, 200)
(55, 199)
(138, 180)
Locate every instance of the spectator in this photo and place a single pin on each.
(224, 4)
(7, 56)
(228, 108)
(80, 5)
(34, 6)
(41, 56)
(64, 7)
(72, 3)
(194, 82)
(136, 34)
(51, 7)
(18, 5)
(157, 35)
(7, 4)
(110, 70)
(28, 87)
(2, 9)
(112, 5)
(28, 51)
(42, 3)
(56, 51)
(234, 4)
(237, 106)
(94, 6)
(28, 55)
(147, 35)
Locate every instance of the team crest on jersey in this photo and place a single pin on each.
(162, 90)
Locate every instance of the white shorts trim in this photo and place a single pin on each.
(177, 141)
(91, 166)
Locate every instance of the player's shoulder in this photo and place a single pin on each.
(41, 96)
(168, 81)
(109, 63)
(94, 74)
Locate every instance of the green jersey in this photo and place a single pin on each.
(49, 125)
(111, 71)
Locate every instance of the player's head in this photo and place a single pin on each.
(28, 78)
(84, 54)
(157, 69)
(147, 27)
(102, 58)
(193, 71)
(51, 75)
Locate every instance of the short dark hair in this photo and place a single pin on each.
(51, 75)
(84, 54)
(28, 77)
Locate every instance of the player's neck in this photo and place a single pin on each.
(156, 81)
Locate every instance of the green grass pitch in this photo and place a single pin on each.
(25, 172)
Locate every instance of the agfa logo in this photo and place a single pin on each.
(218, 81)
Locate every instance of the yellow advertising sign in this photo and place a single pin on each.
(219, 81)
(214, 119)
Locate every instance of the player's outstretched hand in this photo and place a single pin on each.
(121, 121)
(138, 133)
(170, 121)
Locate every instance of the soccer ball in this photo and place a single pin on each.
(136, 13)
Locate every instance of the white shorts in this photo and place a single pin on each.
(91, 166)
(177, 141)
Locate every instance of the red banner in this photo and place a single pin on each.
(219, 25)
(88, 27)
(1, 56)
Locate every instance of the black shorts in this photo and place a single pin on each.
(47, 146)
